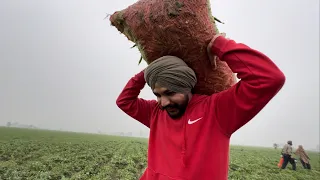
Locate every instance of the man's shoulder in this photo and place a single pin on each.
(204, 98)
(199, 102)
(199, 98)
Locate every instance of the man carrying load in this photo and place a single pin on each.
(190, 133)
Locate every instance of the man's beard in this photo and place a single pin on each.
(180, 107)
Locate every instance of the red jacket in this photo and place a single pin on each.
(196, 147)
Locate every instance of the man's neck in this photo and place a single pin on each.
(189, 96)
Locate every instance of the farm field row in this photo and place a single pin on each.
(40, 154)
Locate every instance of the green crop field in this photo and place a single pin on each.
(39, 154)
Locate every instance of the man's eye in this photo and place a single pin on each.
(170, 93)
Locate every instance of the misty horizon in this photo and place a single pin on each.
(63, 65)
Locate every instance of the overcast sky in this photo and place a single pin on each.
(62, 66)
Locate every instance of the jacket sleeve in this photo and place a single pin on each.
(307, 155)
(284, 149)
(260, 81)
(129, 102)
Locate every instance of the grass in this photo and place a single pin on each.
(40, 154)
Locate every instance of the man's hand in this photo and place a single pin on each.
(213, 58)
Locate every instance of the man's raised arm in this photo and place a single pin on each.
(260, 81)
(129, 102)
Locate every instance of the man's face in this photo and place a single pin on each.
(174, 103)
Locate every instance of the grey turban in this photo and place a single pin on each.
(172, 73)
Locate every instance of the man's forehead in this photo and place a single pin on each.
(159, 89)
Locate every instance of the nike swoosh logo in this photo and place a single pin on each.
(194, 121)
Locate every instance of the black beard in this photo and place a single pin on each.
(181, 107)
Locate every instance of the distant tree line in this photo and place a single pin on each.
(18, 125)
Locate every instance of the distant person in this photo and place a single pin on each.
(304, 158)
(287, 156)
(190, 133)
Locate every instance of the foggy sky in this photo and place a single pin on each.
(62, 66)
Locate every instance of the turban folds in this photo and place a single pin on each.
(172, 73)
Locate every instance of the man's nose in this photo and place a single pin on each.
(164, 101)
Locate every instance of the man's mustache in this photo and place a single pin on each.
(170, 106)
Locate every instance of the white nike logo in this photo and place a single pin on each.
(194, 121)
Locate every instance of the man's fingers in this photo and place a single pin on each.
(213, 58)
(213, 61)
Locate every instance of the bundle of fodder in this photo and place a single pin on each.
(181, 28)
